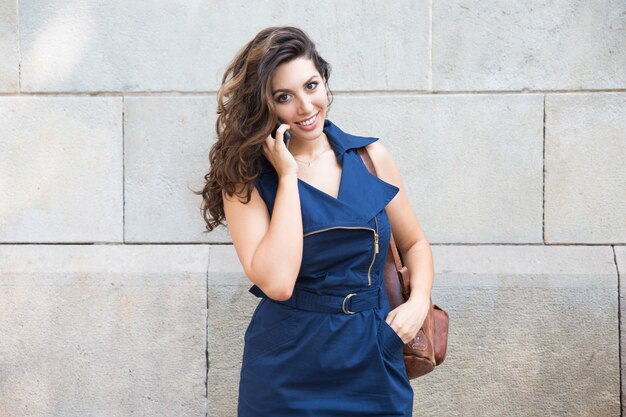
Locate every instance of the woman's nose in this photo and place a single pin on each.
(306, 105)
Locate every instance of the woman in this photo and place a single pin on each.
(312, 235)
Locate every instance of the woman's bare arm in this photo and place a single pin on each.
(270, 250)
(407, 232)
(408, 317)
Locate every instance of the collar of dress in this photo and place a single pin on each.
(362, 195)
(340, 141)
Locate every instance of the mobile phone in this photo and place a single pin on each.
(286, 135)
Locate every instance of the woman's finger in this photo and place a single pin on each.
(280, 132)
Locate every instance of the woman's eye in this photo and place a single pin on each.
(280, 97)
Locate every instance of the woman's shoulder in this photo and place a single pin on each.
(381, 157)
(376, 147)
(386, 168)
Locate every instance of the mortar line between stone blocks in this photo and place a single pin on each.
(123, 175)
(206, 339)
(338, 93)
(430, 45)
(619, 331)
(19, 47)
(543, 176)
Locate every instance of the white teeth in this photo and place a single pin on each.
(307, 122)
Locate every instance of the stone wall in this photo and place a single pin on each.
(507, 121)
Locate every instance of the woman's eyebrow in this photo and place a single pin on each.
(289, 91)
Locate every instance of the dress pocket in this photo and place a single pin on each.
(268, 340)
(389, 339)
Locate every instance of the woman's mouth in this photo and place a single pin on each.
(310, 123)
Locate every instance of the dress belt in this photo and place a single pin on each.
(353, 302)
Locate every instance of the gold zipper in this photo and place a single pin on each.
(338, 227)
(369, 280)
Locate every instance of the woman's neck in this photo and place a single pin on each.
(309, 149)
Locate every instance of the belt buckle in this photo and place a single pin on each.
(343, 303)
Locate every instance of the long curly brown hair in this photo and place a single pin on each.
(246, 114)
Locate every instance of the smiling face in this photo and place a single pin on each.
(299, 93)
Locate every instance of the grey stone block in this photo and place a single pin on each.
(61, 178)
(585, 168)
(230, 310)
(370, 45)
(223, 389)
(533, 332)
(472, 164)
(9, 47)
(103, 330)
(537, 44)
(122, 46)
(116, 46)
(166, 147)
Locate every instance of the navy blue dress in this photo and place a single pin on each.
(324, 352)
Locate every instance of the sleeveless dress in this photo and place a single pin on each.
(300, 360)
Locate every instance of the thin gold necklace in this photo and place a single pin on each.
(311, 161)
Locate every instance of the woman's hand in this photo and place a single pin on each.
(278, 154)
(407, 318)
